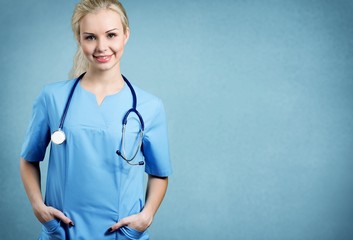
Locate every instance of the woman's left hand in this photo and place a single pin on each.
(139, 222)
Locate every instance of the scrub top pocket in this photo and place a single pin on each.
(132, 234)
(52, 230)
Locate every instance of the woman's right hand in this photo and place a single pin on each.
(30, 173)
(45, 214)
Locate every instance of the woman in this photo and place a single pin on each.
(95, 185)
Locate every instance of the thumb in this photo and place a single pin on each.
(58, 214)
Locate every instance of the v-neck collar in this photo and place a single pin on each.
(82, 89)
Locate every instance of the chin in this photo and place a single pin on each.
(103, 66)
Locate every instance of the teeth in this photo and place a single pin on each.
(103, 58)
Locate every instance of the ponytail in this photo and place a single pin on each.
(80, 64)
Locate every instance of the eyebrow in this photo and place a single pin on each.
(105, 32)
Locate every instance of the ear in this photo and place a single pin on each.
(126, 36)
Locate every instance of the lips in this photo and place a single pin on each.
(103, 58)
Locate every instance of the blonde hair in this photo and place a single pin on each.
(83, 8)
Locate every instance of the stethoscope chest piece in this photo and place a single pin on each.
(58, 137)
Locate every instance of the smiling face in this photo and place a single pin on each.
(102, 39)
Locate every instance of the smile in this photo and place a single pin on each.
(103, 59)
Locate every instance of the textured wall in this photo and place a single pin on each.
(259, 97)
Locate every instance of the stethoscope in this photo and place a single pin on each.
(58, 136)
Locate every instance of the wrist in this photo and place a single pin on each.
(147, 215)
(38, 206)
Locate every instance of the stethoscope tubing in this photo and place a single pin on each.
(124, 122)
(68, 102)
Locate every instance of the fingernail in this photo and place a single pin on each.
(71, 224)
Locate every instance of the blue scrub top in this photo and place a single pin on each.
(86, 179)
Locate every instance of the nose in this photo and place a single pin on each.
(101, 45)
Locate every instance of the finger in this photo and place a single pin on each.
(121, 223)
(58, 214)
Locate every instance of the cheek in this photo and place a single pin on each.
(86, 49)
(118, 46)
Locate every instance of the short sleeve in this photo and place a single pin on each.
(155, 145)
(38, 133)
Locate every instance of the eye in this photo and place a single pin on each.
(111, 35)
(90, 38)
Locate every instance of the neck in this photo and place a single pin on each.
(103, 83)
(104, 78)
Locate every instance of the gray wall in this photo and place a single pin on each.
(259, 100)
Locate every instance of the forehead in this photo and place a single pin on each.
(100, 21)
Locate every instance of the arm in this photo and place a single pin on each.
(156, 189)
(30, 173)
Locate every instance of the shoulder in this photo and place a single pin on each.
(56, 90)
(147, 99)
(58, 87)
(150, 107)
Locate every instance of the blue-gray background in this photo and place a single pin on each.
(259, 102)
